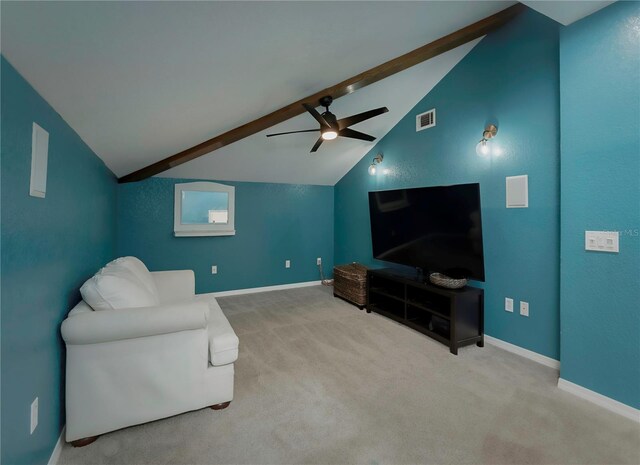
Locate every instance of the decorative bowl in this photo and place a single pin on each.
(445, 281)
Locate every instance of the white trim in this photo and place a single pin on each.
(204, 233)
(536, 357)
(57, 450)
(254, 290)
(600, 400)
(208, 229)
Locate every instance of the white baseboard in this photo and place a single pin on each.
(600, 400)
(536, 357)
(254, 290)
(575, 389)
(55, 455)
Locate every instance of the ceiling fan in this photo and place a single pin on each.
(330, 127)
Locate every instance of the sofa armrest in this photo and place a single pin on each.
(173, 286)
(130, 323)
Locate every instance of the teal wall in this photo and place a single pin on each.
(49, 247)
(600, 174)
(516, 77)
(274, 222)
(510, 78)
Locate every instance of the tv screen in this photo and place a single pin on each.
(438, 229)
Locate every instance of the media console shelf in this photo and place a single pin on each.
(454, 317)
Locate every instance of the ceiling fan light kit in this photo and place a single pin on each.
(331, 127)
(329, 134)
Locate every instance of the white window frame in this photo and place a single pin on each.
(191, 230)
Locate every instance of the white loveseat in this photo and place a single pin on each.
(129, 362)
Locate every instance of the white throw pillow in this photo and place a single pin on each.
(140, 270)
(116, 286)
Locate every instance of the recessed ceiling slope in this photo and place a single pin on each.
(140, 81)
(566, 12)
(287, 159)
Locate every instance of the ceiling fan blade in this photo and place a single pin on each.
(316, 115)
(346, 132)
(354, 119)
(317, 144)
(292, 132)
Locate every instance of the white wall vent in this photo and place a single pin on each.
(518, 191)
(39, 159)
(426, 120)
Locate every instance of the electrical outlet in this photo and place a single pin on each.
(287, 263)
(214, 269)
(319, 261)
(34, 415)
(524, 308)
(508, 304)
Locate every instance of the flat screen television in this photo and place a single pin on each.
(437, 229)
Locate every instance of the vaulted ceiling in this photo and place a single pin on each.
(286, 159)
(140, 81)
(566, 11)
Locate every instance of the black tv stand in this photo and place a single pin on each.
(454, 317)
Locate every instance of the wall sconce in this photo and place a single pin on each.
(376, 161)
(483, 148)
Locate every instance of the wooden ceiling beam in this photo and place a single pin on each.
(430, 50)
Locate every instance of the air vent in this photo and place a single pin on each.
(426, 120)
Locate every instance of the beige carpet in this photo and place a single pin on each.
(319, 381)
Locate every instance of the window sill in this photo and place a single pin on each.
(203, 233)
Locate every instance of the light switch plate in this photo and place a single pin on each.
(524, 308)
(508, 304)
(214, 269)
(602, 241)
(287, 263)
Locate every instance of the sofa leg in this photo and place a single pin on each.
(220, 406)
(84, 441)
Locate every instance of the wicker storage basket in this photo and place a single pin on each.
(350, 283)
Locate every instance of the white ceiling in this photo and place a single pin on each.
(567, 11)
(140, 81)
(286, 159)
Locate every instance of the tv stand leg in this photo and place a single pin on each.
(453, 349)
(480, 343)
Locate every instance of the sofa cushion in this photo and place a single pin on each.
(115, 286)
(223, 342)
(81, 307)
(139, 269)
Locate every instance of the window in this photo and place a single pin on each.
(204, 209)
